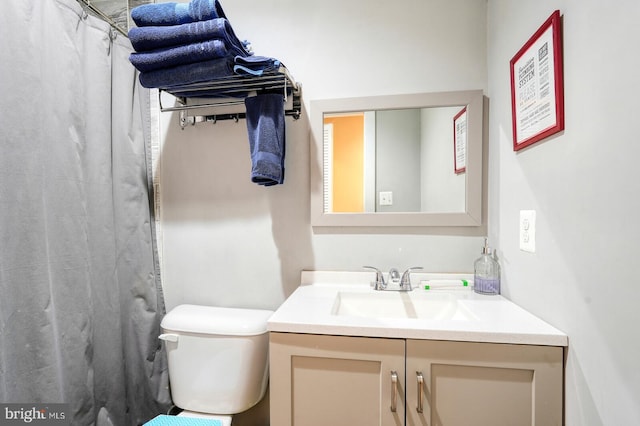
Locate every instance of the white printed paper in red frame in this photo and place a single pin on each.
(537, 90)
(460, 141)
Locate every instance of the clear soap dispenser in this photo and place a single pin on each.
(486, 272)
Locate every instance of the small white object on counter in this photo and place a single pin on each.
(435, 284)
(491, 319)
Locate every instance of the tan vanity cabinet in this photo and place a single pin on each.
(336, 380)
(462, 383)
(346, 381)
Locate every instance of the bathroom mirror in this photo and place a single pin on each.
(401, 160)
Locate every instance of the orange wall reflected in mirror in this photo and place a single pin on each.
(348, 162)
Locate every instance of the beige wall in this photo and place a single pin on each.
(229, 242)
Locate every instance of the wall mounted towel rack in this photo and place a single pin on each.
(230, 91)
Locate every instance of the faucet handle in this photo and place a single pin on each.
(405, 282)
(394, 275)
(380, 284)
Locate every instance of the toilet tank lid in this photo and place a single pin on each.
(216, 320)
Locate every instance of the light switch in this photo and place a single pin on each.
(528, 230)
(386, 198)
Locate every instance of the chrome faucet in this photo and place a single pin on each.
(380, 284)
(404, 282)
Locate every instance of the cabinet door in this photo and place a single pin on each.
(336, 380)
(483, 384)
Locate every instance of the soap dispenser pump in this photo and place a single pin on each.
(486, 272)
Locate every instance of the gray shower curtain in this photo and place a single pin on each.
(80, 297)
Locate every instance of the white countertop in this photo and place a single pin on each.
(497, 320)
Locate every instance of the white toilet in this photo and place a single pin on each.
(218, 359)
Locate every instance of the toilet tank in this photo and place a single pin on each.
(218, 357)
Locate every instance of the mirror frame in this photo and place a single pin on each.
(472, 216)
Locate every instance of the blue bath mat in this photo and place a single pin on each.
(164, 420)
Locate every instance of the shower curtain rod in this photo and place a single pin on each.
(100, 13)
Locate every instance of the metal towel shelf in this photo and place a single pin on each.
(224, 90)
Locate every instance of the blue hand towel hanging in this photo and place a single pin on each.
(266, 129)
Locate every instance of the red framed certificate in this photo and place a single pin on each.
(537, 93)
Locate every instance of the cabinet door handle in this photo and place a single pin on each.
(420, 378)
(394, 391)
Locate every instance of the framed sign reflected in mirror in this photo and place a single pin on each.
(460, 141)
(388, 160)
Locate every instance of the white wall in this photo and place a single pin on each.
(398, 159)
(585, 186)
(229, 242)
(442, 189)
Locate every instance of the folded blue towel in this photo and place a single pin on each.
(178, 55)
(197, 72)
(157, 37)
(176, 13)
(164, 420)
(265, 126)
(254, 65)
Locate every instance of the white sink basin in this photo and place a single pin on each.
(397, 304)
(342, 303)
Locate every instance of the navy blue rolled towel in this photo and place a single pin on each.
(158, 37)
(178, 55)
(197, 72)
(265, 126)
(255, 65)
(172, 13)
